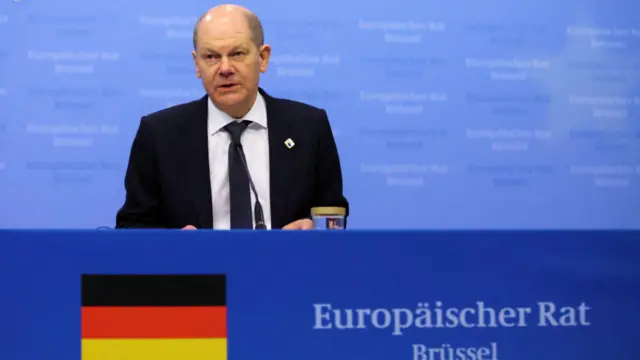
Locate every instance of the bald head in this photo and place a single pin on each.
(232, 13)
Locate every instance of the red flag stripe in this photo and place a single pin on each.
(170, 322)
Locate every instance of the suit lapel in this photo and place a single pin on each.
(280, 159)
(196, 163)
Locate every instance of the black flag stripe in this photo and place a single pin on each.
(153, 290)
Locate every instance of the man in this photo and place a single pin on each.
(187, 163)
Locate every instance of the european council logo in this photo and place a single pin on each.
(154, 317)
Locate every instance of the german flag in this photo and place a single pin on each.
(154, 317)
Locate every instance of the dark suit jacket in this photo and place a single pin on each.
(167, 180)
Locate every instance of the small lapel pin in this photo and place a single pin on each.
(289, 143)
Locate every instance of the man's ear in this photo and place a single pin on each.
(195, 63)
(265, 56)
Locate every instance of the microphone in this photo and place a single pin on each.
(258, 213)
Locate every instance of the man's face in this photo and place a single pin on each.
(229, 63)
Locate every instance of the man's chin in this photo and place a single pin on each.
(228, 98)
(228, 103)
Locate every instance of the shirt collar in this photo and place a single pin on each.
(217, 119)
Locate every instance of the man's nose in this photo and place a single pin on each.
(225, 67)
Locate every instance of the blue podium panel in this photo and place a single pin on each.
(336, 295)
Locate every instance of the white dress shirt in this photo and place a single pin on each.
(256, 147)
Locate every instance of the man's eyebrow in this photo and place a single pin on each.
(231, 49)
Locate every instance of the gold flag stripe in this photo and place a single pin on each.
(154, 349)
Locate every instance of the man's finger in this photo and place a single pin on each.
(306, 224)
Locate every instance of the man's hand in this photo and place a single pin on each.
(302, 224)
(189, 227)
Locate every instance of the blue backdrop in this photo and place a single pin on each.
(463, 114)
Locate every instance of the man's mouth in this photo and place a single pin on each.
(227, 86)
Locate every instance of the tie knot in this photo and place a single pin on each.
(235, 129)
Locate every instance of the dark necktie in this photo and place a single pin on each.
(239, 190)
